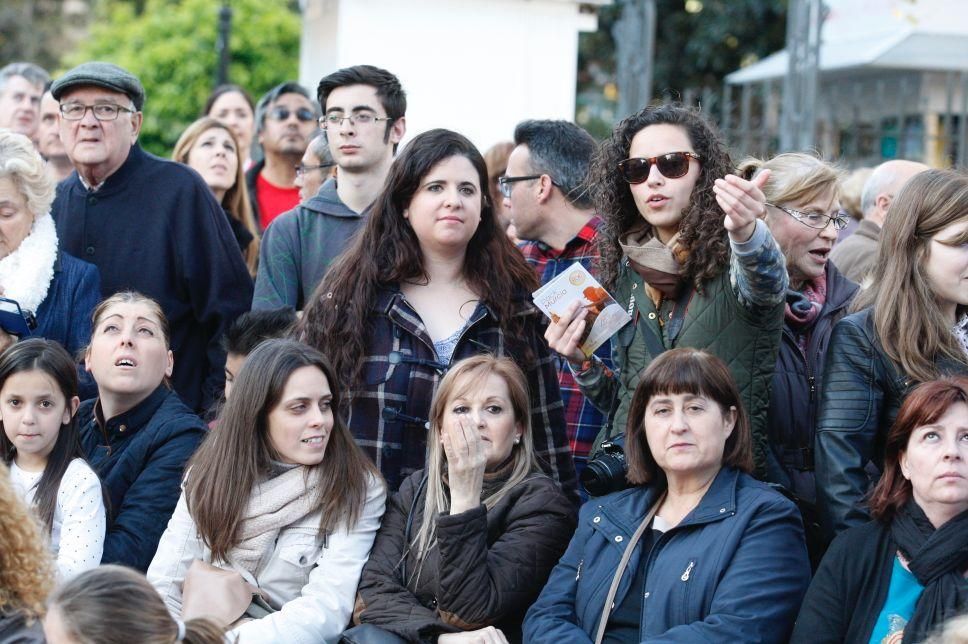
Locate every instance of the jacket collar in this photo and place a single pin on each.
(390, 302)
(840, 290)
(867, 228)
(135, 418)
(629, 507)
(123, 177)
(327, 202)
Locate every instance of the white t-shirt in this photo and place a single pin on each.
(77, 534)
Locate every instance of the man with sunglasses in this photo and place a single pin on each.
(148, 224)
(548, 201)
(363, 120)
(285, 118)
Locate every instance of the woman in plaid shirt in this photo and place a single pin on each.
(431, 279)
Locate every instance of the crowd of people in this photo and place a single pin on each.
(291, 386)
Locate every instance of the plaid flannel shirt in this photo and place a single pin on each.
(582, 418)
(389, 409)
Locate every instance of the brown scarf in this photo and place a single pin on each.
(659, 265)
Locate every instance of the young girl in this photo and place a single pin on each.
(115, 605)
(467, 543)
(38, 400)
(278, 499)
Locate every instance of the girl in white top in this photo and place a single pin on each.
(38, 399)
(279, 493)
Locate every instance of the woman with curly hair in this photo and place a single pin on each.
(429, 280)
(689, 276)
(26, 569)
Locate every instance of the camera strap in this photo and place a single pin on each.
(622, 564)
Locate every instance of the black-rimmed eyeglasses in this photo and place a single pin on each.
(505, 184)
(815, 219)
(101, 111)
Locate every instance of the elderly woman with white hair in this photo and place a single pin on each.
(55, 292)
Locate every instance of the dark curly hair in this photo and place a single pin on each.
(701, 230)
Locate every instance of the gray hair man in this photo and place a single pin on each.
(149, 224)
(21, 86)
(855, 255)
(546, 196)
(314, 168)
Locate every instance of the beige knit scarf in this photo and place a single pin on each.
(275, 504)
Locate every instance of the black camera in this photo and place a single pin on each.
(605, 472)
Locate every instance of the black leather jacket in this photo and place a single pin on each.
(862, 392)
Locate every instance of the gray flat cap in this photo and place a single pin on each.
(103, 75)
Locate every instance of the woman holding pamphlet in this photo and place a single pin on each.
(687, 275)
(431, 279)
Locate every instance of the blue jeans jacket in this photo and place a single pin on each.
(735, 569)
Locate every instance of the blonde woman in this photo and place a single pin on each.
(803, 212)
(26, 569)
(209, 147)
(467, 544)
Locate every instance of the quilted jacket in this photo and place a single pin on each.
(487, 568)
(862, 392)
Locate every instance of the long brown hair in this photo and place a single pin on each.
(238, 453)
(685, 371)
(26, 567)
(910, 325)
(52, 360)
(927, 403)
(701, 230)
(116, 605)
(236, 199)
(465, 376)
(386, 253)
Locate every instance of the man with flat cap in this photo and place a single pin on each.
(148, 224)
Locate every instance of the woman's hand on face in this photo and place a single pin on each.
(466, 460)
(743, 202)
(487, 635)
(563, 336)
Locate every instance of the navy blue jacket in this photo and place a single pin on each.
(140, 457)
(154, 227)
(65, 314)
(735, 569)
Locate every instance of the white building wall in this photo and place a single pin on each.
(475, 66)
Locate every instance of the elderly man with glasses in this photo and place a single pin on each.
(363, 121)
(148, 224)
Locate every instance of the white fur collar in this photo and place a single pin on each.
(26, 273)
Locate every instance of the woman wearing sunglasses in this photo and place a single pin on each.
(803, 213)
(689, 276)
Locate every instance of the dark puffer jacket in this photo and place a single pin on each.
(795, 401)
(487, 569)
(862, 393)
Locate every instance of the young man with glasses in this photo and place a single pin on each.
(149, 224)
(363, 118)
(285, 118)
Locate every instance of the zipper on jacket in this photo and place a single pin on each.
(685, 575)
(579, 569)
(813, 386)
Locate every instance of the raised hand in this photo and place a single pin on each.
(466, 460)
(743, 202)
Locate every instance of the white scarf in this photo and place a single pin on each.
(26, 273)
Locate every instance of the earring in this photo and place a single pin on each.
(517, 440)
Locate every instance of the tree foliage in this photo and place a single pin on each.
(698, 42)
(170, 46)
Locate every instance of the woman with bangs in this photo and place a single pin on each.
(696, 550)
(431, 279)
(468, 542)
(278, 511)
(689, 276)
(911, 327)
(900, 577)
(209, 147)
